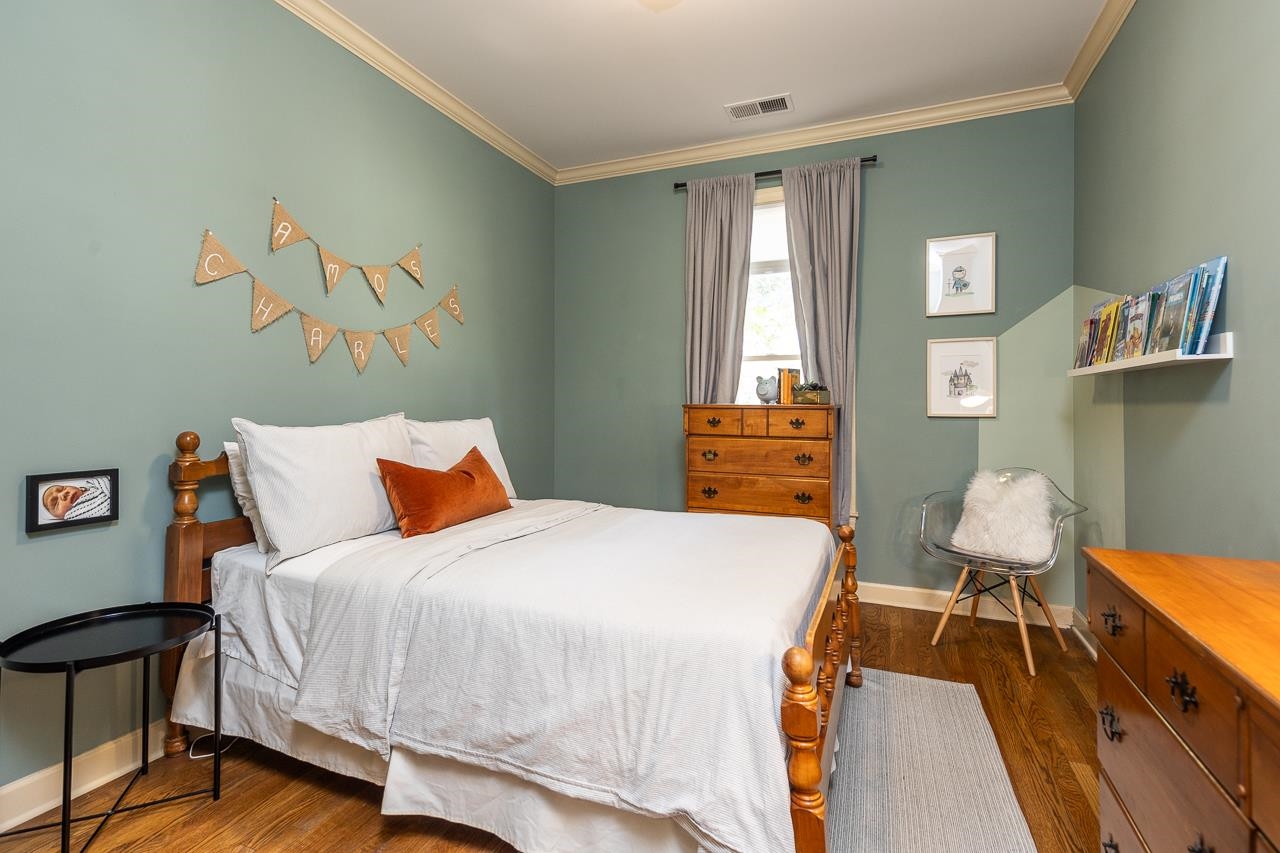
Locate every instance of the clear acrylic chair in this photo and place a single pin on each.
(939, 516)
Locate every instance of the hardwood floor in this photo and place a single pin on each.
(1044, 725)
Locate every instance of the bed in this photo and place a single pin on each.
(450, 757)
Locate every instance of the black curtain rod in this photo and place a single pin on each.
(772, 173)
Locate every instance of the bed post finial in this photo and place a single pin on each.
(851, 609)
(185, 500)
(183, 543)
(804, 766)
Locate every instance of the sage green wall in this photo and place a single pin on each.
(1175, 132)
(620, 309)
(129, 128)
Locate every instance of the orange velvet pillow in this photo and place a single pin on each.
(425, 500)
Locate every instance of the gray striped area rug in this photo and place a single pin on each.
(918, 771)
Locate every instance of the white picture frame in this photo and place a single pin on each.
(961, 378)
(960, 275)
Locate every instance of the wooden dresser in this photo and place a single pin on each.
(761, 460)
(1188, 701)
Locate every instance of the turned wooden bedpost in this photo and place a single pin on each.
(183, 542)
(850, 608)
(804, 762)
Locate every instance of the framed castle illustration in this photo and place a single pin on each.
(960, 275)
(961, 380)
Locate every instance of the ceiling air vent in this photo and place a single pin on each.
(758, 107)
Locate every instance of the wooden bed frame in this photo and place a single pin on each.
(812, 698)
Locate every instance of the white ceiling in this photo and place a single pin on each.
(586, 81)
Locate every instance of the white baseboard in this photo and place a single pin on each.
(917, 598)
(1080, 624)
(22, 799)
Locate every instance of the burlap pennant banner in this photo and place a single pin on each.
(361, 345)
(451, 304)
(215, 261)
(267, 307)
(412, 264)
(430, 326)
(399, 340)
(377, 278)
(334, 268)
(285, 230)
(318, 334)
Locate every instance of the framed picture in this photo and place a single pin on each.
(72, 498)
(960, 275)
(961, 378)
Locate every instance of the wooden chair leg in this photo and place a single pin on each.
(1048, 614)
(977, 586)
(1022, 624)
(951, 604)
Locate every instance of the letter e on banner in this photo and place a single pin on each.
(215, 261)
(399, 340)
(318, 334)
(360, 344)
(451, 304)
(377, 277)
(285, 230)
(430, 326)
(267, 307)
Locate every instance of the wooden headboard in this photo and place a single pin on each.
(189, 543)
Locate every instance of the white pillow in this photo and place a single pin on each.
(1006, 516)
(441, 444)
(244, 494)
(318, 485)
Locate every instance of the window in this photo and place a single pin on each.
(769, 338)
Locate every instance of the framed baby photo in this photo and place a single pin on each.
(961, 380)
(72, 498)
(960, 275)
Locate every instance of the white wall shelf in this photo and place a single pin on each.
(1217, 348)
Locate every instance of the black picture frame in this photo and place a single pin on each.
(39, 519)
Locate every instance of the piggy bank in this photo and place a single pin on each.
(767, 389)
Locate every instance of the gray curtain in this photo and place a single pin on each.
(717, 264)
(822, 206)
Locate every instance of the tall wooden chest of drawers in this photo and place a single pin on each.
(1188, 701)
(760, 460)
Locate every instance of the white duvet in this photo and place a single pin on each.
(621, 656)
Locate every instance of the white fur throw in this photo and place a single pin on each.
(1007, 516)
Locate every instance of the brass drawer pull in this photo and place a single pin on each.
(796, 423)
(713, 422)
(1111, 621)
(1199, 847)
(804, 458)
(710, 455)
(1182, 692)
(1110, 846)
(803, 497)
(1109, 720)
(710, 492)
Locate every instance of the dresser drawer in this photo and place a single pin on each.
(1118, 623)
(801, 458)
(1117, 834)
(1261, 846)
(1264, 769)
(800, 422)
(712, 420)
(769, 495)
(1209, 721)
(1171, 799)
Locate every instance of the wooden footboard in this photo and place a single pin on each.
(188, 546)
(814, 691)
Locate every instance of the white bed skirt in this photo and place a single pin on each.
(531, 818)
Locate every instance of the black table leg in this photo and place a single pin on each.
(217, 706)
(146, 712)
(69, 714)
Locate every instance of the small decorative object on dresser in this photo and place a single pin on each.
(760, 460)
(812, 394)
(1188, 701)
(767, 389)
(72, 498)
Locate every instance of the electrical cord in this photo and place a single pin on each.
(191, 751)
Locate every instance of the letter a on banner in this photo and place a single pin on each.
(360, 344)
(285, 230)
(450, 303)
(318, 334)
(399, 340)
(215, 261)
(333, 267)
(377, 277)
(412, 264)
(267, 307)
(430, 326)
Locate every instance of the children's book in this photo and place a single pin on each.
(1215, 276)
(1082, 345)
(1135, 326)
(1099, 355)
(1185, 342)
(1173, 314)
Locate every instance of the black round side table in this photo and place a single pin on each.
(102, 638)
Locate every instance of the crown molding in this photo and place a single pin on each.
(345, 32)
(840, 131)
(1104, 30)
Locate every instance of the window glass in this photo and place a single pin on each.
(769, 339)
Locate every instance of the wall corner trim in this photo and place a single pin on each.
(1105, 28)
(345, 32)
(38, 792)
(1080, 624)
